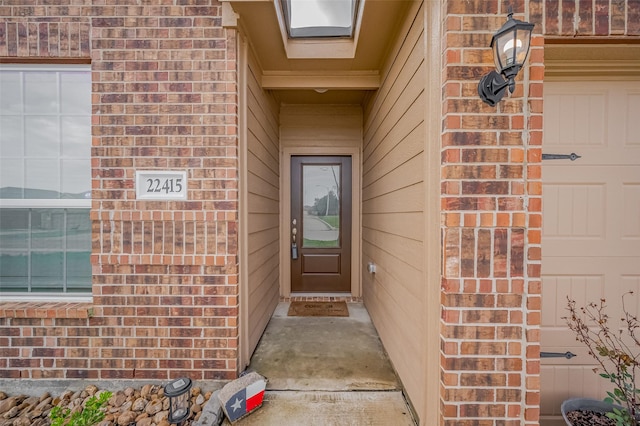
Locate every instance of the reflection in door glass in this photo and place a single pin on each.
(321, 212)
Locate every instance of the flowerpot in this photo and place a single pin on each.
(596, 406)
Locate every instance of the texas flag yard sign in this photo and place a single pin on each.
(243, 395)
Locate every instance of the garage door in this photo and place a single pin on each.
(591, 222)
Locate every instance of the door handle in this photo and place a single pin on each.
(294, 246)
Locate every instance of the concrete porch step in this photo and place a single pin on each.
(296, 408)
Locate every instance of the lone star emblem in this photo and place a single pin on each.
(237, 405)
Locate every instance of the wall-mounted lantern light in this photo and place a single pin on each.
(510, 46)
(178, 393)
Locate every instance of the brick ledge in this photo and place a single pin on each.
(46, 309)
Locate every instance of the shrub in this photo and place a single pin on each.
(616, 352)
(90, 414)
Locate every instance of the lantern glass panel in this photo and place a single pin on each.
(180, 406)
(504, 54)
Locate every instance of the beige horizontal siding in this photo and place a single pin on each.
(393, 207)
(321, 125)
(263, 205)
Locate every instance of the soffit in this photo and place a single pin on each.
(343, 65)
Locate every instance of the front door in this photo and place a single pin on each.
(320, 224)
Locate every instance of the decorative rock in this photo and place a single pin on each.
(211, 413)
(148, 421)
(7, 404)
(146, 391)
(139, 404)
(11, 413)
(22, 421)
(125, 408)
(142, 416)
(241, 396)
(117, 400)
(160, 417)
(91, 390)
(44, 403)
(199, 399)
(126, 418)
(153, 407)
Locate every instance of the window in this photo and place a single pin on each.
(320, 18)
(45, 179)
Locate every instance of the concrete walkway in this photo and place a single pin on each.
(326, 371)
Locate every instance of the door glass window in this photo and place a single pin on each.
(321, 212)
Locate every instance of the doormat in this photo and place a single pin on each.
(318, 309)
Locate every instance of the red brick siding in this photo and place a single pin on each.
(165, 281)
(577, 18)
(491, 216)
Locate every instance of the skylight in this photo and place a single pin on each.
(320, 18)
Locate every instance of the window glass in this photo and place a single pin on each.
(42, 136)
(42, 179)
(10, 92)
(320, 18)
(41, 93)
(73, 88)
(45, 179)
(11, 136)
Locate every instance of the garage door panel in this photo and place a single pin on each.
(576, 119)
(630, 216)
(579, 213)
(575, 210)
(581, 288)
(591, 224)
(563, 382)
(632, 122)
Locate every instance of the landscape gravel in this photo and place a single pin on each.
(144, 406)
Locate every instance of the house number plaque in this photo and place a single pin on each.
(161, 185)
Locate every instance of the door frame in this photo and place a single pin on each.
(285, 213)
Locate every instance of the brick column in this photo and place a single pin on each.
(491, 219)
(165, 272)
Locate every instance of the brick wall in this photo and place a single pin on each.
(577, 18)
(491, 218)
(165, 290)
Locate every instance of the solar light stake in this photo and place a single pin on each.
(178, 393)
